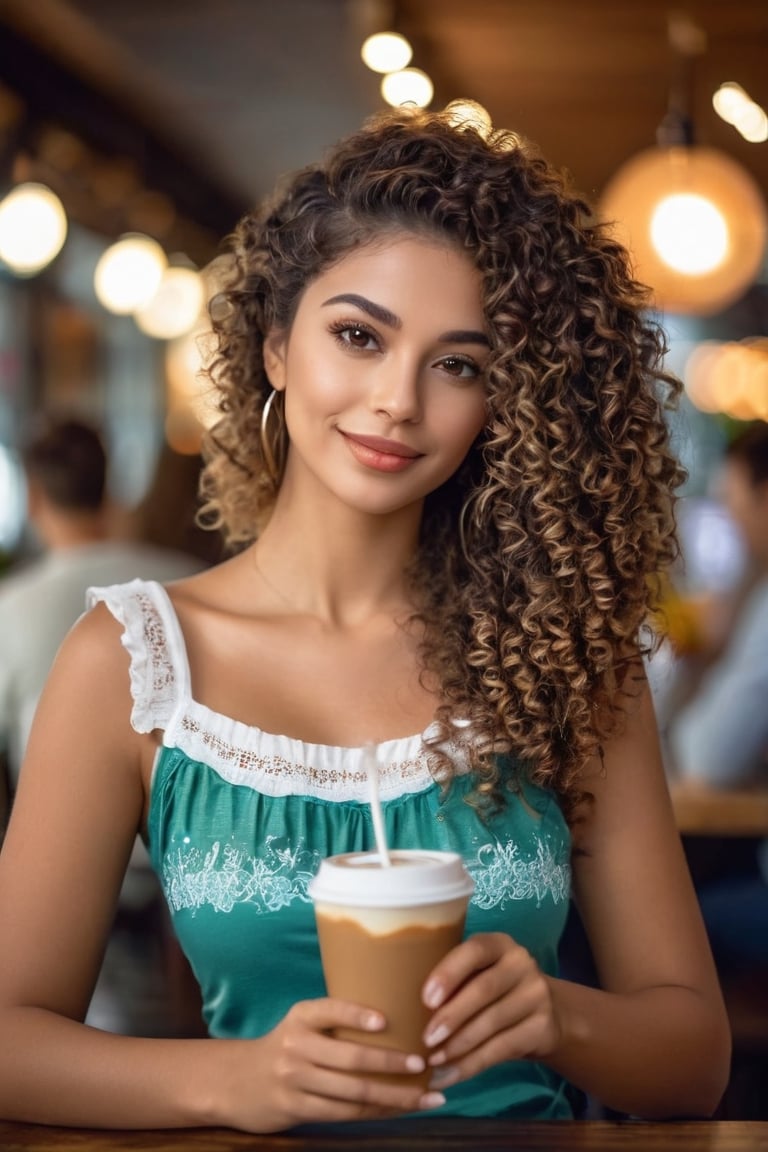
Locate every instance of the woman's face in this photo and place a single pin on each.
(382, 371)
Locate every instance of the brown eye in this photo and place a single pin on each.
(458, 366)
(359, 337)
(355, 336)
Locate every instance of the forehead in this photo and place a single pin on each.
(398, 269)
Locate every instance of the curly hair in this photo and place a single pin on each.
(538, 562)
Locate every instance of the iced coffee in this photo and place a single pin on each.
(383, 929)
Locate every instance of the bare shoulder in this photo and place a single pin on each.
(87, 696)
(93, 645)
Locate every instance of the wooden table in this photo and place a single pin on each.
(449, 1135)
(702, 811)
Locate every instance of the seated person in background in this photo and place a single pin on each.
(65, 465)
(720, 737)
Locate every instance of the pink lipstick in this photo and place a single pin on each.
(379, 453)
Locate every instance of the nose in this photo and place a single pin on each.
(396, 390)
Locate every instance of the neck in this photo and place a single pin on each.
(342, 568)
(60, 529)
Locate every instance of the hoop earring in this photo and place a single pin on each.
(273, 445)
(464, 512)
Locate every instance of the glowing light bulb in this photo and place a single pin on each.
(469, 113)
(408, 86)
(386, 52)
(33, 228)
(752, 123)
(728, 101)
(689, 234)
(129, 273)
(733, 105)
(709, 226)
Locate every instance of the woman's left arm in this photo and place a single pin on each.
(653, 1040)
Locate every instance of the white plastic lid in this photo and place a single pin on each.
(416, 877)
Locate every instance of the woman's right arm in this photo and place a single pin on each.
(77, 811)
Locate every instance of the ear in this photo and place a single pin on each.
(275, 350)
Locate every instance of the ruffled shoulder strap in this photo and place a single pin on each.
(152, 637)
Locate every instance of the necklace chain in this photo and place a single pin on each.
(272, 587)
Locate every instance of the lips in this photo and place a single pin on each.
(380, 454)
(382, 446)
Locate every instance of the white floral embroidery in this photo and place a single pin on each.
(222, 879)
(501, 874)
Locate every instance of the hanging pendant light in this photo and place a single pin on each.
(694, 222)
(693, 219)
(129, 273)
(33, 228)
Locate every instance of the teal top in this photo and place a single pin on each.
(239, 820)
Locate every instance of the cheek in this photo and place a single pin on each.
(467, 426)
(318, 381)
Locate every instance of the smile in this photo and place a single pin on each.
(380, 454)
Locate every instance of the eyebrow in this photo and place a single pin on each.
(384, 316)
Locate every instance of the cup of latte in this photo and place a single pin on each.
(382, 929)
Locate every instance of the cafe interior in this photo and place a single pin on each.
(134, 134)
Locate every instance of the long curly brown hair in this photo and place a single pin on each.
(538, 561)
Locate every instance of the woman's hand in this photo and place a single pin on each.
(306, 1075)
(493, 1003)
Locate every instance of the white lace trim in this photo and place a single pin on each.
(272, 764)
(225, 877)
(282, 765)
(153, 669)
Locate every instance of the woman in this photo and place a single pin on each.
(443, 458)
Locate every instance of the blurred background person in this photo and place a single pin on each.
(719, 737)
(66, 467)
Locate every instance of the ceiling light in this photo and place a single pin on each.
(408, 86)
(694, 222)
(752, 123)
(129, 273)
(730, 377)
(33, 228)
(692, 219)
(689, 233)
(728, 100)
(733, 105)
(470, 114)
(386, 52)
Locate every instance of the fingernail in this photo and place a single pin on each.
(431, 1100)
(434, 1036)
(415, 1064)
(444, 1077)
(433, 995)
(373, 1022)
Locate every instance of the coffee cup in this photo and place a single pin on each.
(382, 929)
